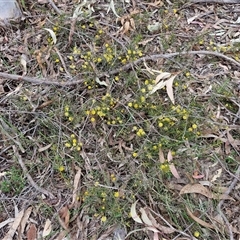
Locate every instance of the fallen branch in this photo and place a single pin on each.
(154, 57)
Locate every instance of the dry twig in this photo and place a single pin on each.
(55, 7)
(31, 181)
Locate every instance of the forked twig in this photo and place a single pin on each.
(31, 181)
(153, 57)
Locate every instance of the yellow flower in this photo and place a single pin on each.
(140, 132)
(143, 99)
(68, 145)
(155, 147)
(74, 141)
(103, 218)
(103, 194)
(194, 126)
(135, 154)
(61, 169)
(136, 106)
(165, 167)
(196, 234)
(116, 194)
(135, 128)
(113, 178)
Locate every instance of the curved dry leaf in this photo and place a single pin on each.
(65, 216)
(196, 188)
(161, 156)
(145, 217)
(53, 35)
(47, 228)
(169, 156)
(126, 27)
(199, 221)
(42, 149)
(169, 86)
(158, 86)
(174, 171)
(134, 215)
(162, 75)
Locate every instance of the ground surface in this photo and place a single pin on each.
(120, 121)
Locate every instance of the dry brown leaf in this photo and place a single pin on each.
(171, 165)
(161, 156)
(42, 149)
(199, 221)
(32, 232)
(47, 228)
(64, 216)
(126, 27)
(145, 217)
(75, 186)
(134, 214)
(196, 188)
(174, 171)
(169, 85)
(25, 219)
(14, 226)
